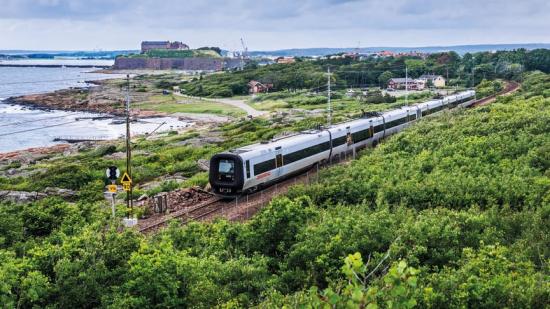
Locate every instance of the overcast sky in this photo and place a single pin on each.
(270, 24)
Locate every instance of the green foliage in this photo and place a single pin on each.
(351, 73)
(457, 160)
(377, 98)
(489, 278)
(396, 289)
(384, 78)
(452, 213)
(487, 88)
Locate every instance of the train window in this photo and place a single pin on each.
(226, 170)
(378, 128)
(306, 152)
(396, 122)
(247, 168)
(226, 166)
(361, 135)
(339, 141)
(263, 167)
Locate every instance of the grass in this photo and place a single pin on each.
(171, 104)
(269, 105)
(344, 106)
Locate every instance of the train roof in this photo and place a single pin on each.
(308, 134)
(280, 141)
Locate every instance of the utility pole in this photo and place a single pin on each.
(129, 202)
(406, 86)
(329, 103)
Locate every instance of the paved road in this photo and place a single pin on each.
(233, 102)
(242, 105)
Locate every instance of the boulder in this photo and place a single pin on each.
(64, 193)
(21, 196)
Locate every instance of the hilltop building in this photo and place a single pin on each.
(285, 60)
(149, 45)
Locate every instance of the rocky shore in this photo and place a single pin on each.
(68, 100)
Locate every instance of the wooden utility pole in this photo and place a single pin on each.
(129, 202)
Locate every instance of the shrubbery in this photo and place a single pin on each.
(452, 213)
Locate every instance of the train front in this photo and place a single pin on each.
(226, 174)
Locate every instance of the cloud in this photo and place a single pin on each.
(272, 23)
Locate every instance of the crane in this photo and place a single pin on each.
(245, 49)
(244, 54)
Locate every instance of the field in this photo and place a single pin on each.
(176, 104)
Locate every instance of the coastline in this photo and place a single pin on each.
(75, 99)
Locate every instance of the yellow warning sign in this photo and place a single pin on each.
(126, 179)
(126, 186)
(111, 188)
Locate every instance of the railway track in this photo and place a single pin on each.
(197, 212)
(238, 212)
(510, 87)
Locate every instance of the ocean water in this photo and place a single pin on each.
(22, 127)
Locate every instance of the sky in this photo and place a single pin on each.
(269, 24)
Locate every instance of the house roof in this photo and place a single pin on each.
(254, 83)
(429, 76)
(402, 80)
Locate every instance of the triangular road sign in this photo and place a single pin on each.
(126, 178)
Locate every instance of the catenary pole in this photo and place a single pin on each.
(406, 86)
(329, 102)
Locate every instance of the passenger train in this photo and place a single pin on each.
(252, 167)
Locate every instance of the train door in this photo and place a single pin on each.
(278, 161)
(418, 113)
(349, 143)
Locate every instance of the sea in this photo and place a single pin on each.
(24, 127)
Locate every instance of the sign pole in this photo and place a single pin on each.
(129, 202)
(113, 204)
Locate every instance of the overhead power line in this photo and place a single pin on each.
(31, 121)
(46, 81)
(39, 128)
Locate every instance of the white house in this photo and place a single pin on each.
(437, 81)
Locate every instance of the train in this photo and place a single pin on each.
(253, 167)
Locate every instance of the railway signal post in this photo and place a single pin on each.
(112, 174)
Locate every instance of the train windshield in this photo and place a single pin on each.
(226, 170)
(226, 166)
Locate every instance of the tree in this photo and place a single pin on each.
(384, 78)
(489, 278)
(538, 59)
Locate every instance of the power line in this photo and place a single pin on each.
(31, 121)
(46, 81)
(35, 129)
